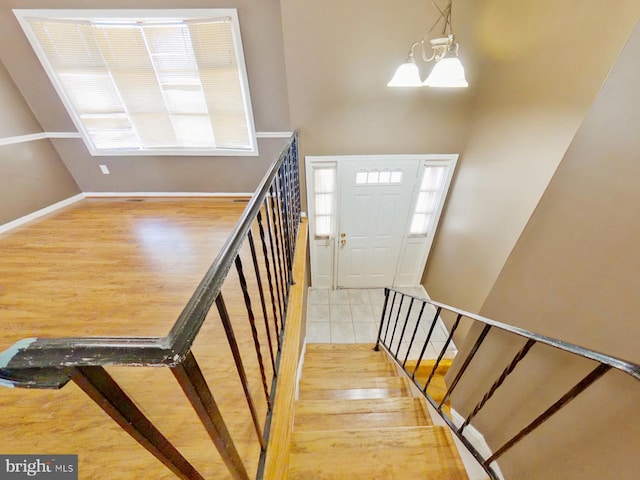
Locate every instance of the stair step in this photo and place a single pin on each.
(338, 347)
(348, 365)
(427, 365)
(365, 413)
(353, 388)
(382, 453)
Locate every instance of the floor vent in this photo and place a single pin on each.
(135, 200)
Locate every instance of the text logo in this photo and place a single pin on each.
(49, 467)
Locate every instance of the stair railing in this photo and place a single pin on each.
(273, 213)
(402, 317)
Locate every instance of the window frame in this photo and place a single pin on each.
(131, 14)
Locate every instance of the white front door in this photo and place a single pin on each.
(375, 203)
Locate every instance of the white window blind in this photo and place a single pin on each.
(324, 188)
(433, 181)
(152, 85)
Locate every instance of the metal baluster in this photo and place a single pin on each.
(102, 389)
(521, 354)
(434, 322)
(406, 320)
(263, 304)
(274, 258)
(384, 310)
(285, 221)
(386, 332)
(277, 235)
(233, 344)
(266, 261)
(444, 348)
(595, 374)
(465, 364)
(415, 331)
(282, 236)
(254, 330)
(195, 387)
(395, 325)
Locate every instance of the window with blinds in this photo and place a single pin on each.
(324, 200)
(163, 82)
(431, 189)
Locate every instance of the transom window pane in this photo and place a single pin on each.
(165, 83)
(377, 177)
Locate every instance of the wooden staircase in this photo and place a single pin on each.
(357, 419)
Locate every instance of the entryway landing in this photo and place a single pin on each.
(353, 316)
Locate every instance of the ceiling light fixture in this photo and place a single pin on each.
(447, 71)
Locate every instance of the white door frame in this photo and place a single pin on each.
(414, 251)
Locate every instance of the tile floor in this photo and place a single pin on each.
(353, 316)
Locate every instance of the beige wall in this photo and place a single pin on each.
(547, 60)
(31, 173)
(574, 275)
(340, 56)
(260, 24)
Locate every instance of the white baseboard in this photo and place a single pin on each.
(479, 443)
(39, 213)
(166, 194)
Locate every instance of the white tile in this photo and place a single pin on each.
(359, 297)
(340, 313)
(318, 332)
(366, 332)
(318, 313)
(414, 354)
(340, 297)
(342, 332)
(363, 313)
(318, 296)
(376, 296)
(440, 333)
(449, 353)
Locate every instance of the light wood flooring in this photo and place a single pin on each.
(356, 418)
(115, 267)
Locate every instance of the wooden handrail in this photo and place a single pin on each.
(277, 457)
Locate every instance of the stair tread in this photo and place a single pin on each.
(336, 347)
(389, 453)
(362, 413)
(353, 388)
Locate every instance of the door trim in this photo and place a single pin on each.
(329, 246)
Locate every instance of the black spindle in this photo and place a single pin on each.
(254, 330)
(195, 387)
(519, 356)
(233, 344)
(442, 352)
(595, 374)
(465, 364)
(102, 389)
(415, 331)
(263, 304)
(404, 327)
(434, 322)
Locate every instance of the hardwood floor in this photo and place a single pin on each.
(115, 267)
(348, 427)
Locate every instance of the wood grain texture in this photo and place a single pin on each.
(277, 458)
(364, 413)
(350, 424)
(385, 453)
(113, 267)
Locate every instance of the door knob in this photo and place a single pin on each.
(342, 235)
(343, 242)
